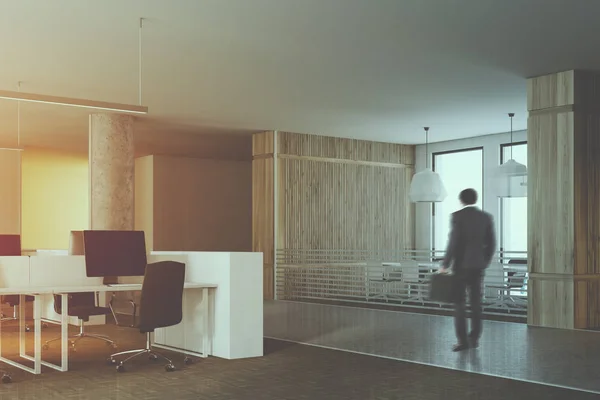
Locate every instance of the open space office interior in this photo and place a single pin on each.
(248, 199)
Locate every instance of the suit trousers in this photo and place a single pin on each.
(472, 281)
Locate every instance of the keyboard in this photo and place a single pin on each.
(123, 284)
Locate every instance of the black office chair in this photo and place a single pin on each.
(83, 306)
(161, 305)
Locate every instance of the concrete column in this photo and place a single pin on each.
(563, 137)
(111, 158)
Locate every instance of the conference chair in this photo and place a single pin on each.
(83, 306)
(161, 305)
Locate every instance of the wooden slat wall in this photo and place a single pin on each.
(343, 194)
(332, 193)
(564, 200)
(262, 206)
(344, 206)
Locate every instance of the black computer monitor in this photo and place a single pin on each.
(114, 253)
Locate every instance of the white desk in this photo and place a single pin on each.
(37, 292)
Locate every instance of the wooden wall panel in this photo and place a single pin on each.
(587, 303)
(344, 149)
(564, 200)
(556, 311)
(262, 143)
(587, 193)
(344, 206)
(262, 206)
(550, 91)
(550, 193)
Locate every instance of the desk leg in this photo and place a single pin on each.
(205, 318)
(64, 332)
(22, 299)
(0, 338)
(37, 341)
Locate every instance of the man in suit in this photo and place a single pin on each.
(471, 245)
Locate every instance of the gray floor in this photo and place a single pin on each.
(511, 350)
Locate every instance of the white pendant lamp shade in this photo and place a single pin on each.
(426, 185)
(512, 168)
(511, 176)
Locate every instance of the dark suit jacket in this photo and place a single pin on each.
(472, 241)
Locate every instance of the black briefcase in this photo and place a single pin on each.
(443, 288)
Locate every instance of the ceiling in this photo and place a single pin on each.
(369, 69)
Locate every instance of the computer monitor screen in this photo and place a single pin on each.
(114, 253)
(10, 245)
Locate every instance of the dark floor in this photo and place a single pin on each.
(557, 357)
(287, 371)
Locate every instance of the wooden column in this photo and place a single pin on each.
(564, 200)
(263, 211)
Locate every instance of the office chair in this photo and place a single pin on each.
(161, 305)
(83, 306)
(13, 301)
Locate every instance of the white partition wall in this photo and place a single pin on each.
(14, 271)
(237, 315)
(62, 271)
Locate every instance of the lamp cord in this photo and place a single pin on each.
(140, 61)
(511, 137)
(426, 147)
(18, 117)
(511, 115)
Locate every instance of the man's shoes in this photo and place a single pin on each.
(460, 347)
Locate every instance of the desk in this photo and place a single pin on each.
(36, 292)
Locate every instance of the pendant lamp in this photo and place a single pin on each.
(426, 185)
(511, 176)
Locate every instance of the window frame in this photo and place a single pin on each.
(500, 202)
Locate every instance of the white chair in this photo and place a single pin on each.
(412, 282)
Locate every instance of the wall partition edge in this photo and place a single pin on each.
(275, 210)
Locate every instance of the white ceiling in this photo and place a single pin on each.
(370, 69)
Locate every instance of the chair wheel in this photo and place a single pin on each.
(27, 329)
(6, 378)
(44, 325)
(188, 361)
(152, 357)
(169, 368)
(45, 347)
(120, 368)
(111, 361)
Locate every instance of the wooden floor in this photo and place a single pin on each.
(563, 358)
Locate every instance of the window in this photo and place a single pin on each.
(459, 170)
(513, 212)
